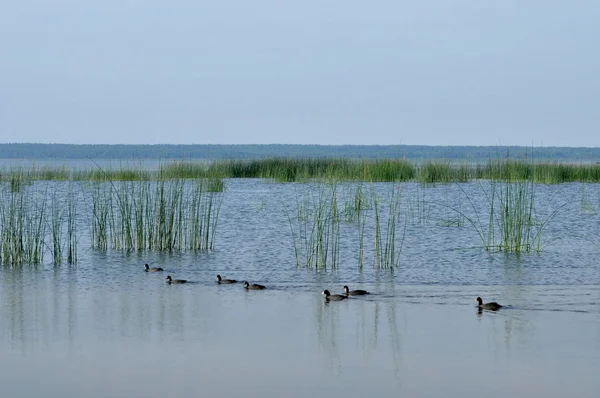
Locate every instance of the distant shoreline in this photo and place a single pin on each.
(258, 151)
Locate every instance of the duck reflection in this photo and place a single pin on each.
(360, 321)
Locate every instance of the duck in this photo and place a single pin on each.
(153, 269)
(175, 281)
(349, 292)
(225, 281)
(253, 286)
(493, 306)
(333, 297)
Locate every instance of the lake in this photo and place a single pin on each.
(104, 328)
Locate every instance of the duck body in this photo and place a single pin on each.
(492, 306)
(222, 281)
(333, 297)
(175, 281)
(358, 292)
(253, 286)
(147, 268)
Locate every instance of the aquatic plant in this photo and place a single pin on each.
(71, 227)
(64, 215)
(31, 223)
(162, 215)
(316, 228)
(355, 203)
(22, 228)
(586, 204)
(285, 169)
(56, 229)
(435, 172)
(512, 223)
(100, 217)
(417, 207)
(387, 256)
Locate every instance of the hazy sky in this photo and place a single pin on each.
(478, 72)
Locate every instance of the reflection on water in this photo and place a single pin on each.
(147, 338)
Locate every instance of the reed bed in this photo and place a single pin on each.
(512, 224)
(542, 172)
(17, 176)
(317, 223)
(43, 218)
(339, 169)
(355, 203)
(387, 255)
(315, 229)
(122, 174)
(33, 222)
(165, 215)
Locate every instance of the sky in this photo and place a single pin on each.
(444, 72)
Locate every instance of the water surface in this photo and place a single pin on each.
(103, 327)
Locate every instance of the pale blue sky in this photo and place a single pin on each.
(479, 72)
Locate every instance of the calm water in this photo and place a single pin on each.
(105, 328)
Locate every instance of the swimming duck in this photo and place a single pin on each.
(175, 281)
(333, 297)
(225, 281)
(349, 292)
(153, 269)
(253, 286)
(493, 306)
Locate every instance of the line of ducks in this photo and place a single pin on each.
(171, 281)
(492, 306)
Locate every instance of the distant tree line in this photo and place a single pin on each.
(183, 152)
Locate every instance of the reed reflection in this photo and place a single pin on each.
(351, 330)
(42, 309)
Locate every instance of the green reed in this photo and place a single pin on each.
(355, 204)
(183, 169)
(340, 169)
(22, 228)
(121, 174)
(432, 172)
(17, 176)
(587, 204)
(316, 226)
(513, 225)
(316, 229)
(418, 208)
(387, 255)
(71, 227)
(388, 170)
(63, 216)
(361, 222)
(56, 229)
(32, 222)
(515, 217)
(101, 205)
(543, 172)
(15, 183)
(204, 215)
(163, 215)
(35, 230)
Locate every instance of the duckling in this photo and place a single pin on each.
(333, 297)
(493, 306)
(153, 269)
(349, 292)
(225, 281)
(254, 286)
(175, 281)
